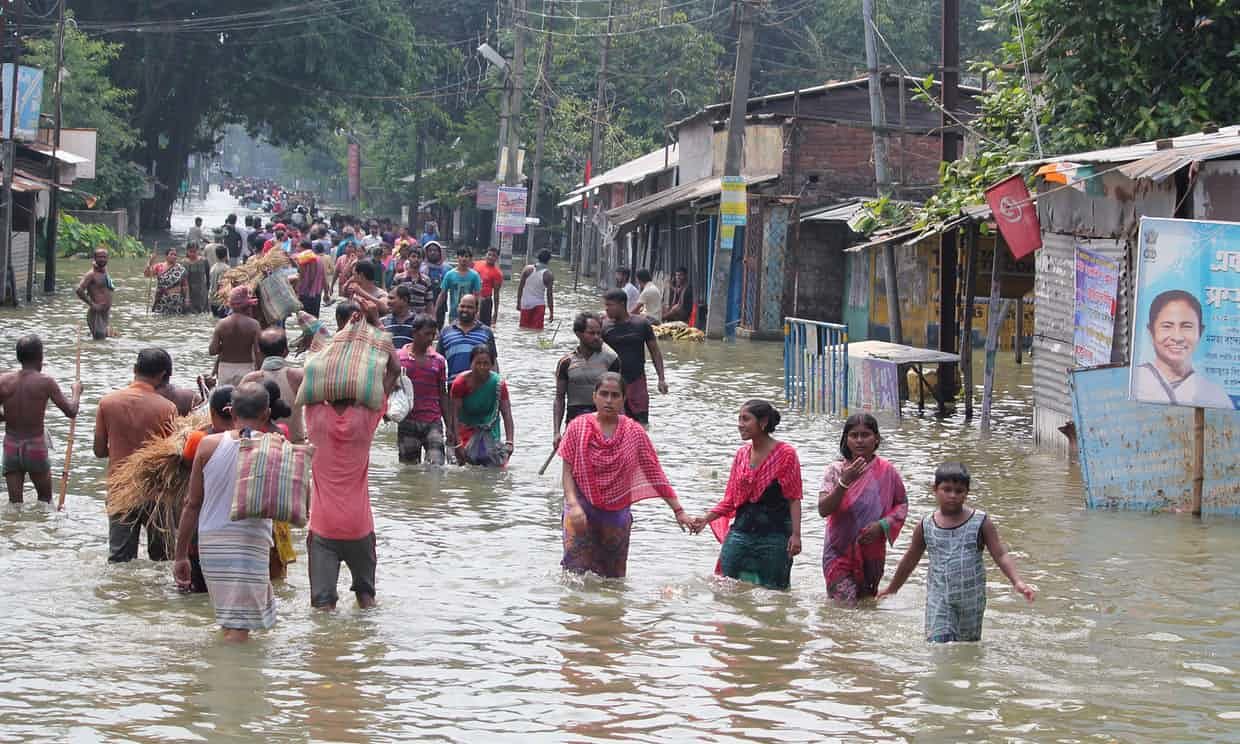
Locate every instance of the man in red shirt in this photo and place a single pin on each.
(124, 420)
(492, 278)
(342, 528)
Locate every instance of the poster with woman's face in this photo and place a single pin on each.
(1186, 328)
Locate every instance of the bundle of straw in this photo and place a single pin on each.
(155, 475)
(249, 274)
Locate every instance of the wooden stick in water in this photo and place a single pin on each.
(64, 475)
(550, 457)
(150, 282)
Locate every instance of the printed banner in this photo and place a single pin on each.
(733, 206)
(873, 385)
(510, 210)
(488, 194)
(727, 237)
(29, 100)
(1097, 280)
(1186, 323)
(1016, 215)
(355, 170)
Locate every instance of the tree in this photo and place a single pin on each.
(267, 65)
(92, 101)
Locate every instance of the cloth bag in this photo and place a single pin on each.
(482, 449)
(400, 402)
(278, 298)
(273, 480)
(350, 367)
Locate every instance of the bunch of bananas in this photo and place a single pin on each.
(678, 331)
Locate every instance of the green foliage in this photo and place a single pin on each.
(92, 101)
(74, 237)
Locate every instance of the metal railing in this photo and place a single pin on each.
(816, 366)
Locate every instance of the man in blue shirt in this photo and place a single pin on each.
(461, 281)
(400, 322)
(460, 338)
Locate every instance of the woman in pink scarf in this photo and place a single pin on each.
(609, 464)
(863, 499)
(764, 497)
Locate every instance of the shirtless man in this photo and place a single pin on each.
(24, 395)
(95, 290)
(235, 341)
(274, 366)
(183, 398)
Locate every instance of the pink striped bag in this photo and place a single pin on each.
(273, 480)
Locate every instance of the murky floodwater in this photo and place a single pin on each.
(478, 637)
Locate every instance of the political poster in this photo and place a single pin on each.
(29, 100)
(1097, 280)
(488, 193)
(1186, 322)
(733, 206)
(510, 210)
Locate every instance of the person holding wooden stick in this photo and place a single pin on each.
(24, 395)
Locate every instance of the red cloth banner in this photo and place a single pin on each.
(355, 170)
(1016, 215)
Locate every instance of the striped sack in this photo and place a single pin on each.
(351, 367)
(273, 480)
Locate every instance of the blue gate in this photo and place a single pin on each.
(816, 366)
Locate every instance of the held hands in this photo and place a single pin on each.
(873, 531)
(685, 521)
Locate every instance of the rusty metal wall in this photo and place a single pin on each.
(1054, 295)
(1216, 196)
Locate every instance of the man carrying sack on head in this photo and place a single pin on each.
(344, 394)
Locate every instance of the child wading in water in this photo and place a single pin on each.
(956, 585)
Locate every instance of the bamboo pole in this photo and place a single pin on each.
(995, 320)
(966, 338)
(1199, 457)
(64, 475)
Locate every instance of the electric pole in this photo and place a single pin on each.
(882, 174)
(513, 173)
(53, 217)
(543, 103)
(949, 240)
(721, 276)
(594, 165)
(10, 159)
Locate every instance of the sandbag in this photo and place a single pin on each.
(278, 298)
(273, 480)
(350, 367)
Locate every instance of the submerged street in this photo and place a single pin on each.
(478, 635)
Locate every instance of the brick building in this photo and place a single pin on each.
(804, 150)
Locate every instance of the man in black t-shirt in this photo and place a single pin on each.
(232, 240)
(630, 336)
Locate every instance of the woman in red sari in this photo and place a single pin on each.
(863, 499)
(764, 497)
(609, 464)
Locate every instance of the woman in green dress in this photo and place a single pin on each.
(758, 522)
(481, 401)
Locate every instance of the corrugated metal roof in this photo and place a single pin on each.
(62, 155)
(633, 211)
(841, 212)
(634, 171)
(1183, 149)
(813, 91)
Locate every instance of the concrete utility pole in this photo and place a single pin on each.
(882, 174)
(513, 175)
(53, 208)
(536, 174)
(721, 276)
(596, 144)
(949, 241)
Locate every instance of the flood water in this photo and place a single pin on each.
(478, 635)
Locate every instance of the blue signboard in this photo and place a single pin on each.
(1186, 325)
(29, 100)
(1137, 456)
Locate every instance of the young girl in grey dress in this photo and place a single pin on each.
(956, 584)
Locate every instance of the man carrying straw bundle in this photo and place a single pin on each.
(24, 395)
(233, 554)
(125, 419)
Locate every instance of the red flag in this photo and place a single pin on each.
(585, 200)
(1016, 215)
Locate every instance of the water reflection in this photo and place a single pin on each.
(479, 636)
